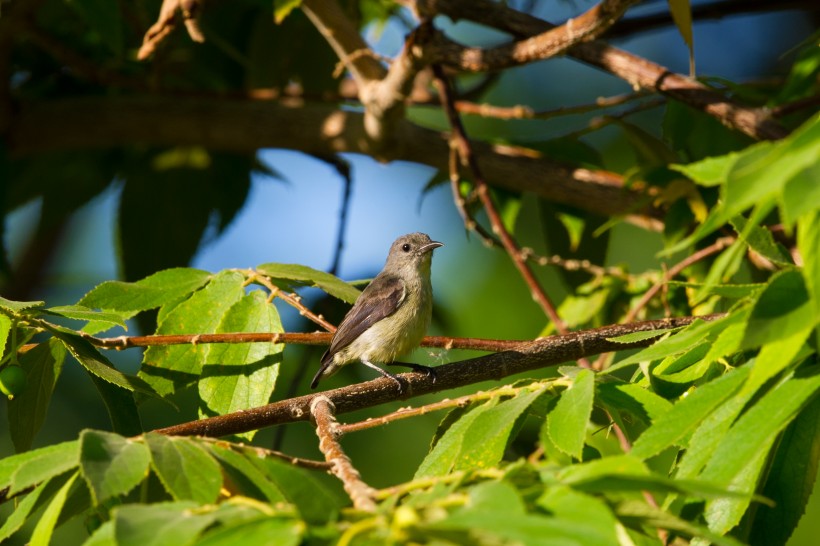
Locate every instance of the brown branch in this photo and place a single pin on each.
(526, 356)
(327, 428)
(291, 299)
(461, 142)
(525, 112)
(167, 22)
(637, 71)
(246, 125)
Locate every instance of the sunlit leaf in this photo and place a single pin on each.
(111, 464)
(567, 422)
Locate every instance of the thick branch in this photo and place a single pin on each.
(637, 71)
(529, 355)
(245, 125)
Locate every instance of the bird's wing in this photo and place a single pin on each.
(380, 299)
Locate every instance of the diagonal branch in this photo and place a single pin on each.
(527, 356)
(637, 71)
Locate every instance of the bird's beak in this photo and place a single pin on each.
(430, 246)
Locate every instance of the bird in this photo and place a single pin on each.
(391, 315)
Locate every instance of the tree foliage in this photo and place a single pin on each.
(699, 427)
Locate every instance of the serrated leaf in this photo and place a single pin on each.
(790, 479)
(711, 171)
(27, 411)
(801, 195)
(240, 376)
(267, 530)
(95, 363)
(732, 291)
(738, 459)
(80, 312)
(486, 438)
(24, 508)
(151, 292)
(761, 241)
(160, 524)
(45, 527)
(632, 398)
(567, 422)
(169, 368)
(110, 464)
(589, 513)
(186, 470)
(315, 502)
(633, 337)
(16, 307)
(645, 514)
(775, 357)
(32, 467)
(444, 455)
(238, 463)
(686, 415)
(121, 407)
(5, 330)
(808, 240)
(304, 275)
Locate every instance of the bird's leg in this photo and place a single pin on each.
(385, 373)
(426, 370)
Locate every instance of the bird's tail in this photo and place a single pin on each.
(326, 362)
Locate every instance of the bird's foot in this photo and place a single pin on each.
(418, 368)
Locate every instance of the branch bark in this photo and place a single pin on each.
(245, 125)
(528, 355)
(637, 71)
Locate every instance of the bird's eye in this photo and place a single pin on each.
(406, 247)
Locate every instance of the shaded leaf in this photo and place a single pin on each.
(186, 470)
(160, 524)
(121, 407)
(110, 464)
(267, 530)
(27, 411)
(32, 467)
(80, 312)
(45, 527)
(782, 309)
(240, 376)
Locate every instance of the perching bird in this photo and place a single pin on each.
(391, 315)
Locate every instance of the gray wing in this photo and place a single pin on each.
(380, 299)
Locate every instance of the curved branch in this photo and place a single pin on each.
(529, 355)
(245, 125)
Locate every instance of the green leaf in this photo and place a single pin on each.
(634, 399)
(45, 527)
(24, 508)
(801, 195)
(103, 536)
(169, 368)
(589, 513)
(790, 479)
(808, 240)
(487, 437)
(711, 171)
(782, 309)
(634, 337)
(96, 364)
(19, 472)
(111, 465)
(162, 287)
(682, 15)
(27, 411)
(444, 455)
(567, 422)
(775, 357)
(267, 530)
(282, 8)
(186, 469)
(761, 241)
(641, 513)
(240, 376)
(17, 307)
(304, 275)
(160, 524)
(5, 330)
(81, 312)
(315, 502)
(121, 407)
(674, 426)
(243, 472)
(732, 291)
(738, 459)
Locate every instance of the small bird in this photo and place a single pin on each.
(391, 315)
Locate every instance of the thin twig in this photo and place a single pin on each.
(525, 112)
(291, 299)
(264, 453)
(460, 140)
(447, 403)
(327, 428)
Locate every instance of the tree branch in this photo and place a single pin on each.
(528, 355)
(244, 125)
(637, 71)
